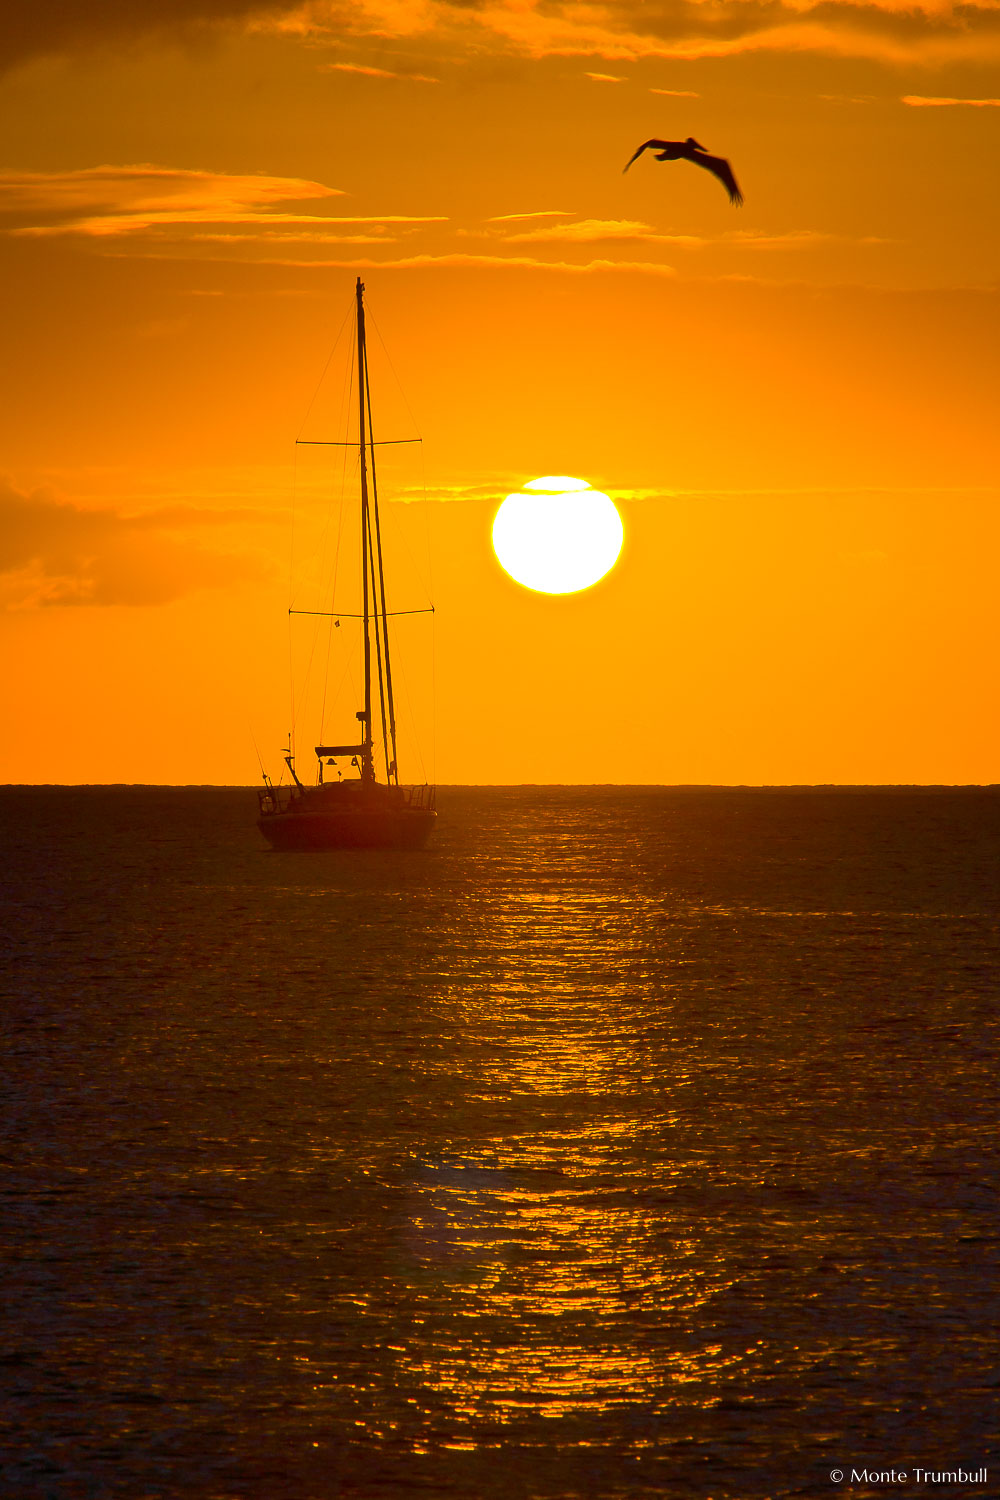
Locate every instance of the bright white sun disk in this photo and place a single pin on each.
(557, 535)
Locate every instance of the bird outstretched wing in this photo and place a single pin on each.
(646, 146)
(721, 169)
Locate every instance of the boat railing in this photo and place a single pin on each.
(271, 800)
(274, 800)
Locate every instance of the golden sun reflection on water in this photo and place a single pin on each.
(545, 1239)
(565, 1283)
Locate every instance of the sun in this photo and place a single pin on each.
(557, 535)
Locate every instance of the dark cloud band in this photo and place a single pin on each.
(52, 552)
(59, 26)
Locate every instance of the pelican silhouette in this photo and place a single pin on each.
(690, 150)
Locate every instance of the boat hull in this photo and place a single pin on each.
(367, 829)
(348, 816)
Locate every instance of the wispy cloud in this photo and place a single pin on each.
(591, 231)
(921, 101)
(307, 236)
(53, 552)
(539, 213)
(470, 261)
(676, 93)
(371, 72)
(605, 77)
(121, 200)
(793, 239)
(106, 201)
(454, 493)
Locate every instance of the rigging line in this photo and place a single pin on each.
(392, 367)
(291, 593)
(321, 573)
(345, 614)
(319, 557)
(291, 528)
(329, 443)
(256, 747)
(427, 525)
(309, 663)
(347, 675)
(410, 413)
(381, 577)
(409, 706)
(345, 406)
(378, 647)
(323, 551)
(402, 537)
(431, 611)
(434, 701)
(329, 359)
(378, 594)
(326, 680)
(345, 398)
(368, 765)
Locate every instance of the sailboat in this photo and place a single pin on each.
(359, 811)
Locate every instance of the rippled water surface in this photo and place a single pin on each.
(624, 1142)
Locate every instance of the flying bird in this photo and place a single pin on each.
(690, 150)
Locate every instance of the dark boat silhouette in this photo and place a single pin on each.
(360, 812)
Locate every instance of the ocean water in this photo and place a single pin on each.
(623, 1143)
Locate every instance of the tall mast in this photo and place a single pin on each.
(381, 617)
(367, 767)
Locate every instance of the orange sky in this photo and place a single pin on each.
(794, 403)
